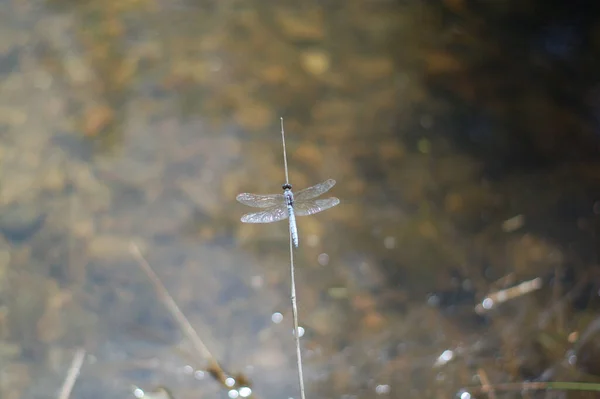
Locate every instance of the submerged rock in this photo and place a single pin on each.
(20, 222)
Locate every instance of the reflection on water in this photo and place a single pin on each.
(464, 139)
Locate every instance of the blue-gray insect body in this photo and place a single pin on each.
(289, 200)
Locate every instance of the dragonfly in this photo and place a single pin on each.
(287, 205)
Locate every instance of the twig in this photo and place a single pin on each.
(485, 383)
(295, 316)
(214, 368)
(293, 286)
(492, 300)
(287, 180)
(72, 375)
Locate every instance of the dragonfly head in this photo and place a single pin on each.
(287, 186)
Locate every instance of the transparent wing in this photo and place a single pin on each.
(309, 207)
(267, 216)
(261, 201)
(315, 190)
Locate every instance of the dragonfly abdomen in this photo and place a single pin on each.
(293, 229)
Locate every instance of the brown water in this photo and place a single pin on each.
(463, 138)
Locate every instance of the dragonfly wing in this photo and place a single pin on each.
(315, 190)
(305, 208)
(273, 214)
(261, 201)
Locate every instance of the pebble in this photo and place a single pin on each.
(20, 221)
(315, 62)
(96, 119)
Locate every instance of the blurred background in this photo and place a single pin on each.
(464, 136)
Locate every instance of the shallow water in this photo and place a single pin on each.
(464, 142)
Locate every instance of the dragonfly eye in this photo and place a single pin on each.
(287, 186)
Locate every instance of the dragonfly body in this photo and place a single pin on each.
(289, 200)
(288, 206)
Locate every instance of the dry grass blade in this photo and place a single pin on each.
(494, 299)
(485, 383)
(213, 367)
(72, 375)
(295, 316)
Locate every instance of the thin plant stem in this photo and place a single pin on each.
(295, 317)
(485, 383)
(287, 179)
(213, 367)
(293, 284)
(72, 375)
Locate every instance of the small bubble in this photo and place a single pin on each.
(138, 393)
(572, 357)
(276, 317)
(229, 382)
(382, 389)
(487, 303)
(444, 358)
(245, 392)
(465, 395)
(199, 374)
(300, 332)
(447, 355)
(323, 259)
(389, 242)
(187, 369)
(233, 393)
